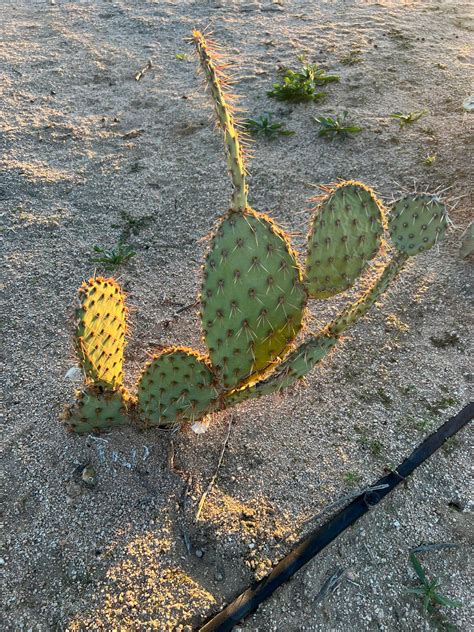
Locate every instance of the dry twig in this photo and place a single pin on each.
(141, 72)
(213, 479)
(330, 585)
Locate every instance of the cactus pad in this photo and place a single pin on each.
(417, 223)
(252, 297)
(96, 409)
(100, 334)
(177, 385)
(345, 235)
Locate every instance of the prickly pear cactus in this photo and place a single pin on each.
(176, 385)
(96, 410)
(345, 235)
(101, 328)
(417, 223)
(253, 298)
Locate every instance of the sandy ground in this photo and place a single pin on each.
(88, 154)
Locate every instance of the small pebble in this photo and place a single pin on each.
(89, 476)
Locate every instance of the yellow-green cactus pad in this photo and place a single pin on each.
(101, 328)
(96, 410)
(252, 297)
(176, 385)
(417, 223)
(345, 235)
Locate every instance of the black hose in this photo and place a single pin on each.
(317, 540)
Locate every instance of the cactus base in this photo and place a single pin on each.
(97, 409)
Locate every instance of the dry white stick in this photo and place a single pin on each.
(141, 72)
(213, 479)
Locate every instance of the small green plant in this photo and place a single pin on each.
(352, 478)
(336, 127)
(352, 58)
(450, 445)
(442, 404)
(264, 125)
(182, 56)
(428, 590)
(301, 85)
(132, 225)
(429, 160)
(374, 446)
(410, 117)
(114, 257)
(424, 424)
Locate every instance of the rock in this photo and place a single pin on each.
(89, 476)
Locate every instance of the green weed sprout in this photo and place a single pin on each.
(264, 125)
(430, 159)
(352, 478)
(410, 117)
(114, 257)
(428, 590)
(300, 86)
(336, 127)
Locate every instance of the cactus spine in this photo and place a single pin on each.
(253, 298)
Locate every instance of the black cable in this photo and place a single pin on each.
(317, 540)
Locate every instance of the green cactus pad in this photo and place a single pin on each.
(252, 297)
(96, 410)
(101, 328)
(177, 385)
(345, 235)
(417, 223)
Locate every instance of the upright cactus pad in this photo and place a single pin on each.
(101, 328)
(417, 223)
(345, 235)
(214, 67)
(177, 385)
(252, 297)
(96, 410)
